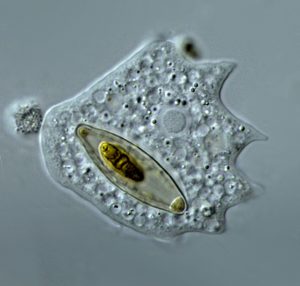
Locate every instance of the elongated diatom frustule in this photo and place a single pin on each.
(131, 169)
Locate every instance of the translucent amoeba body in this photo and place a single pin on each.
(154, 120)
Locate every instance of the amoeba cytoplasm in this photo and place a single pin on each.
(150, 144)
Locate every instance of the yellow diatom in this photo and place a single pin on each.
(131, 169)
(119, 161)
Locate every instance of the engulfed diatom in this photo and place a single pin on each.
(150, 144)
(115, 158)
(131, 169)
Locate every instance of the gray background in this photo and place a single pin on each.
(52, 49)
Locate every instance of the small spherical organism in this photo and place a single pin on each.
(28, 118)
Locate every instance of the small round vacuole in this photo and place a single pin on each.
(131, 169)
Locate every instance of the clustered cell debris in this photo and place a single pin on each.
(28, 118)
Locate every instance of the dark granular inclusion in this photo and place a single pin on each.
(28, 118)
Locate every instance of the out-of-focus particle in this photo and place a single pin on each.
(190, 48)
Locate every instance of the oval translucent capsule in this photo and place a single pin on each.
(131, 169)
